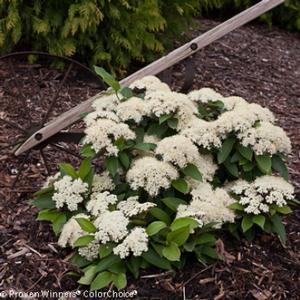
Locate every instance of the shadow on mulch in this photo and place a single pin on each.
(255, 62)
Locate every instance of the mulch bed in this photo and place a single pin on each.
(255, 62)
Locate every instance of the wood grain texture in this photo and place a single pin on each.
(154, 68)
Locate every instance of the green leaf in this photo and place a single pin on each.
(159, 214)
(120, 280)
(192, 171)
(245, 152)
(259, 220)
(58, 223)
(247, 223)
(172, 123)
(231, 168)
(67, 169)
(173, 202)
(179, 236)
(210, 252)
(44, 201)
(79, 261)
(183, 222)
(112, 165)
(264, 163)
(118, 267)
(87, 151)
(225, 149)
(164, 118)
(139, 133)
(180, 185)
(124, 159)
(278, 227)
(84, 169)
(107, 78)
(126, 92)
(48, 215)
(279, 166)
(155, 227)
(134, 264)
(145, 146)
(284, 209)
(89, 274)
(205, 238)
(171, 252)
(154, 259)
(158, 130)
(236, 206)
(106, 262)
(105, 250)
(83, 241)
(86, 225)
(102, 280)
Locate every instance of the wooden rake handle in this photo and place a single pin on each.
(177, 55)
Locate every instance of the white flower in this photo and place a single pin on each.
(102, 182)
(150, 84)
(177, 150)
(111, 226)
(100, 202)
(92, 117)
(151, 175)
(202, 133)
(233, 102)
(258, 195)
(103, 132)
(135, 242)
(132, 109)
(153, 139)
(209, 206)
(204, 95)
(266, 138)
(91, 251)
(71, 231)
(70, 192)
(50, 180)
(106, 102)
(131, 207)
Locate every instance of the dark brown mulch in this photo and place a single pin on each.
(258, 63)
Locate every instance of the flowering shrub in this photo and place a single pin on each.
(178, 169)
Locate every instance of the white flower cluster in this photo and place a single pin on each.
(132, 207)
(151, 175)
(100, 202)
(204, 95)
(111, 226)
(208, 206)
(258, 195)
(177, 150)
(103, 132)
(102, 182)
(91, 251)
(135, 242)
(150, 84)
(69, 191)
(71, 231)
(50, 180)
(266, 138)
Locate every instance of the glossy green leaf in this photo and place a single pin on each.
(159, 214)
(107, 78)
(264, 163)
(279, 165)
(112, 165)
(231, 168)
(154, 259)
(67, 169)
(205, 238)
(58, 223)
(245, 152)
(180, 185)
(126, 92)
(173, 202)
(259, 220)
(145, 146)
(171, 252)
(83, 241)
(124, 159)
(164, 118)
(86, 225)
(154, 227)
(102, 280)
(179, 236)
(172, 123)
(106, 262)
(89, 274)
(278, 227)
(119, 280)
(247, 223)
(225, 149)
(183, 222)
(284, 209)
(236, 206)
(192, 171)
(105, 250)
(84, 168)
